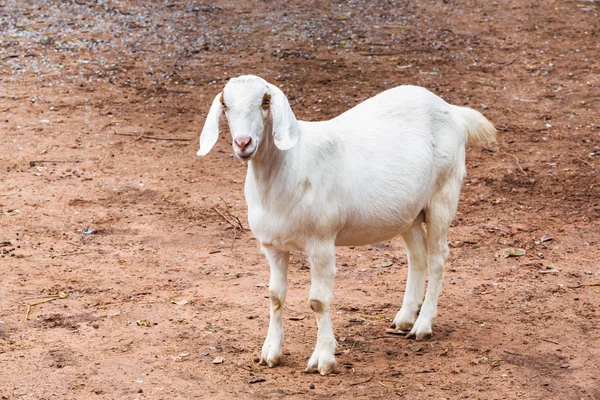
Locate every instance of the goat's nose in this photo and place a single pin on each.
(243, 142)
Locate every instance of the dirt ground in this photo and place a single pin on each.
(148, 283)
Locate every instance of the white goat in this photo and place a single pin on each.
(384, 168)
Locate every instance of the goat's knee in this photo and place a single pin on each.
(316, 306)
(275, 300)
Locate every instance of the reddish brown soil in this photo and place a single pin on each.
(75, 76)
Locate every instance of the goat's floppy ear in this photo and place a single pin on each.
(286, 131)
(210, 132)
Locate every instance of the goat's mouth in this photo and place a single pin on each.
(244, 154)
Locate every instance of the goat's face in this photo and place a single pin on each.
(247, 106)
(254, 109)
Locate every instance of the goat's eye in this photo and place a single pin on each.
(222, 101)
(266, 101)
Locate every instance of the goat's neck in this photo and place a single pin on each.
(271, 169)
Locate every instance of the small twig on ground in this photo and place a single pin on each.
(139, 137)
(391, 335)
(174, 69)
(114, 122)
(230, 218)
(144, 136)
(27, 312)
(505, 64)
(234, 237)
(395, 53)
(549, 341)
(513, 353)
(18, 55)
(73, 253)
(390, 380)
(518, 163)
(525, 100)
(580, 285)
(30, 305)
(41, 297)
(380, 316)
(33, 163)
(224, 217)
(483, 84)
(494, 228)
(361, 382)
(585, 162)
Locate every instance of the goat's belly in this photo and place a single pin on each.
(361, 236)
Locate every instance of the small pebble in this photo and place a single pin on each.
(587, 272)
(312, 386)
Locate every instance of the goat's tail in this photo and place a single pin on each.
(477, 127)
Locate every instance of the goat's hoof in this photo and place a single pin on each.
(272, 359)
(420, 332)
(419, 336)
(402, 325)
(271, 363)
(271, 353)
(404, 321)
(322, 363)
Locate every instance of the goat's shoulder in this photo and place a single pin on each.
(320, 140)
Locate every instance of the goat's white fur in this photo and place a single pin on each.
(384, 168)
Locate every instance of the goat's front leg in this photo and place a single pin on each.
(322, 274)
(278, 261)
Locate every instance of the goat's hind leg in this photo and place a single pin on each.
(439, 213)
(272, 348)
(416, 248)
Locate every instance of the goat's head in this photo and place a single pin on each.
(254, 109)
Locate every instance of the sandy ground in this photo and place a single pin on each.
(149, 284)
